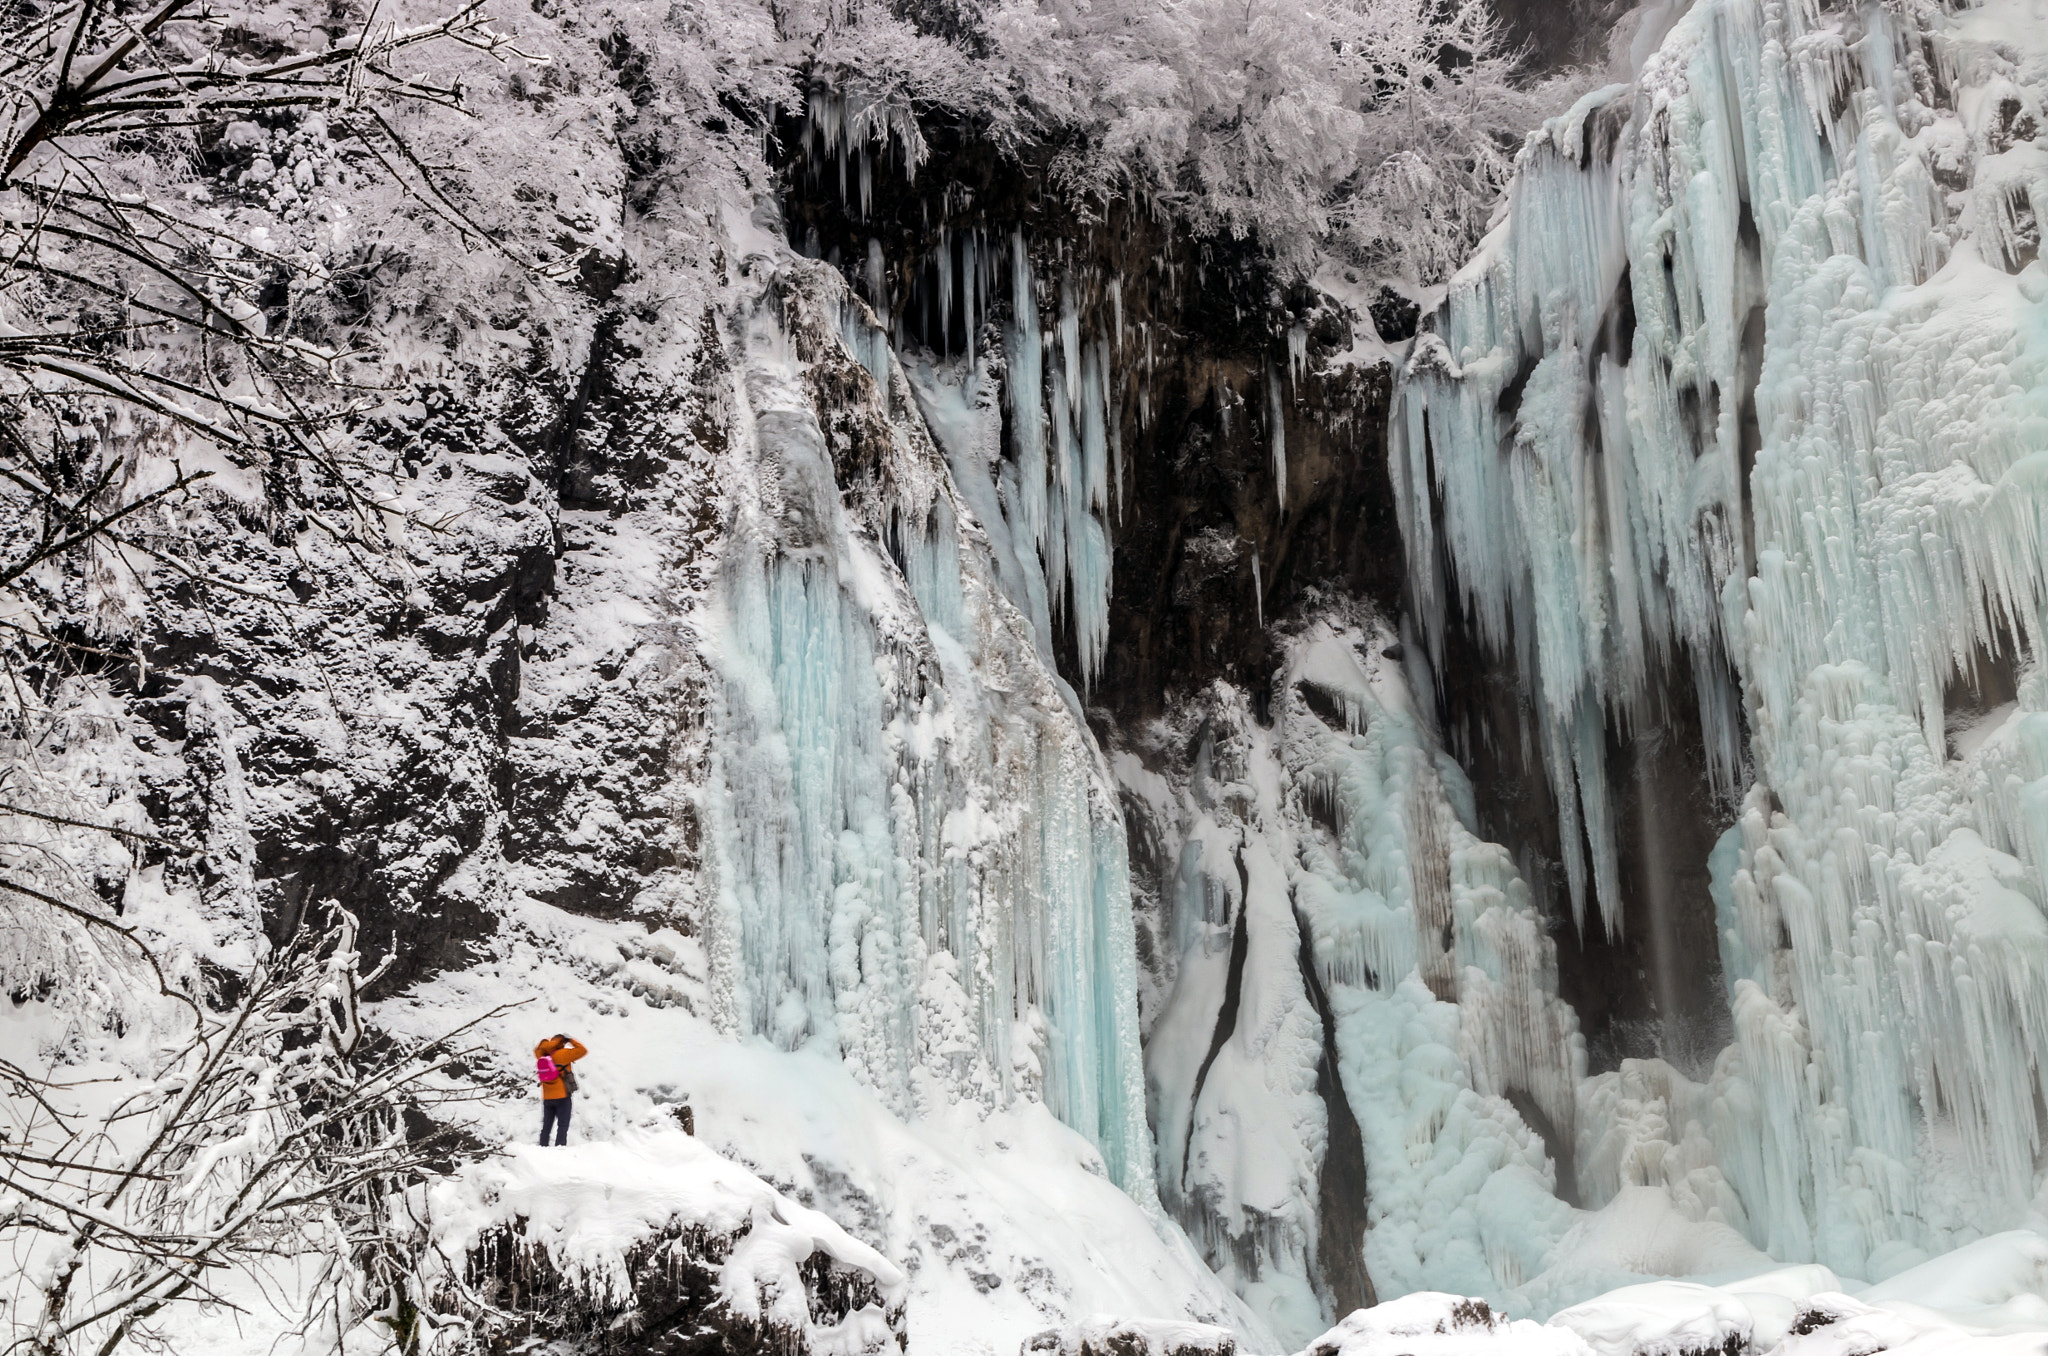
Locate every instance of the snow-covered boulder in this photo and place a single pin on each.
(1662, 1318)
(1429, 1323)
(1106, 1336)
(655, 1243)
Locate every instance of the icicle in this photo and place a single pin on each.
(877, 279)
(1112, 414)
(1276, 425)
(1027, 392)
(1258, 592)
(945, 289)
(970, 302)
(1070, 333)
(1061, 397)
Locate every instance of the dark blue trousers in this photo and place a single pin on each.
(555, 1113)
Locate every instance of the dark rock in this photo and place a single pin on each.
(1394, 316)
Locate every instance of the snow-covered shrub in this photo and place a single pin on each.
(1102, 1336)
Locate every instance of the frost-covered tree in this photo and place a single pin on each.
(243, 1141)
(205, 1122)
(1379, 130)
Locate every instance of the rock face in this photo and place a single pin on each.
(1215, 538)
(490, 699)
(392, 751)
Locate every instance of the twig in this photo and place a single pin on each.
(86, 824)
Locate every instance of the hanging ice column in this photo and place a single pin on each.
(918, 859)
(1057, 494)
(1756, 370)
(1065, 461)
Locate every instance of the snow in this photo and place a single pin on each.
(1664, 1318)
(1429, 1323)
(1793, 1311)
(1996, 1282)
(1005, 1222)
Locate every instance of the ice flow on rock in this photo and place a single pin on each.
(919, 861)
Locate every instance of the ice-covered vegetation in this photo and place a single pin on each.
(1382, 129)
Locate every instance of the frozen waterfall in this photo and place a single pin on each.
(1751, 381)
(918, 856)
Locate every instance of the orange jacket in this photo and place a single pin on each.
(565, 1052)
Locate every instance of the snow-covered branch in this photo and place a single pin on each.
(270, 1128)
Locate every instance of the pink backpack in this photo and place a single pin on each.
(546, 1067)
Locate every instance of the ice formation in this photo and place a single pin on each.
(1751, 382)
(1326, 903)
(1056, 489)
(1070, 360)
(919, 863)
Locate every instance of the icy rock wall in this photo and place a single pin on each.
(1751, 380)
(1353, 1029)
(919, 865)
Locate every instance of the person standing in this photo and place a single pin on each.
(552, 1058)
